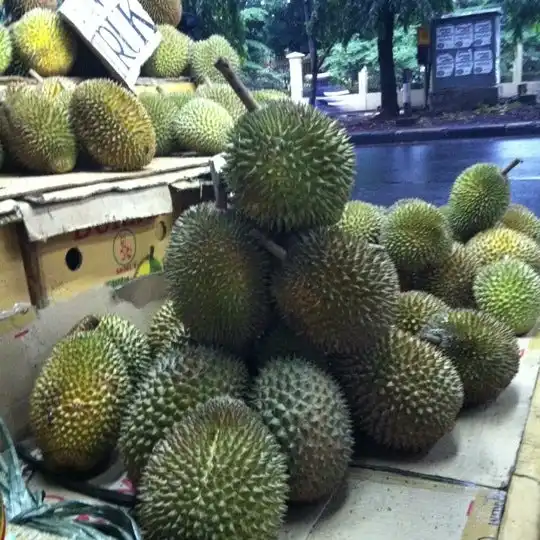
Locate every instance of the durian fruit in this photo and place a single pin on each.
(126, 337)
(415, 235)
(163, 114)
(38, 131)
(44, 43)
(362, 219)
(17, 8)
(509, 289)
(416, 308)
(166, 330)
(281, 341)
(203, 126)
(495, 244)
(218, 276)
(164, 11)
(53, 87)
(171, 57)
(478, 200)
(77, 402)
(403, 392)
(452, 279)
(179, 99)
(519, 218)
(182, 378)
(483, 349)
(267, 95)
(225, 96)
(112, 125)
(338, 291)
(204, 55)
(219, 473)
(286, 394)
(6, 49)
(290, 167)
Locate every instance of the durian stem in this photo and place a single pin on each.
(35, 75)
(160, 91)
(512, 165)
(236, 84)
(269, 245)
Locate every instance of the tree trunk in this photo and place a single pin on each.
(312, 45)
(385, 47)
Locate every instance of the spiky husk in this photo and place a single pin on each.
(219, 474)
(416, 308)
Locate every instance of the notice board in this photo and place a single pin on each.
(466, 50)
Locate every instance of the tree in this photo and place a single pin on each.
(382, 17)
(521, 15)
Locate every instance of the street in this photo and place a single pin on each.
(386, 173)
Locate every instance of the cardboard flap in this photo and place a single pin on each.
(43, 222)
(16, 187)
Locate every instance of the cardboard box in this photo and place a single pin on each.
(86, 229)
(16, 311)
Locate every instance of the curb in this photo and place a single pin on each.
(438, 133)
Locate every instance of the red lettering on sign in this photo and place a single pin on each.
(109, 227)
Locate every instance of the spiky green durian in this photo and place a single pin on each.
(44, 42)
(204, 55)
(416, 308)
(452, 279)
(219, 474)
(509, 289)
(520, 218)
(225, 96)
(403, 392)
(483, 349)
(78, 401)
(337, 290)
(6, 49)
(37, 131)
(362, 219)
(203, 126)
(164, 11)
(126, 337)
(217, 276)
(112, 125)
(182, 378)
(171, 57)
(166, 330)
(163, 114)
(496, 244)
(286, 394)
(267, 95)
(415, 235)
(290, 167)
(179, 98)
(478, 200)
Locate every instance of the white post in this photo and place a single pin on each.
(517, 68)
(297, 75)
(363, 88)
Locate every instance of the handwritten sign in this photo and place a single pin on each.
(119, 31)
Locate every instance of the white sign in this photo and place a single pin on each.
(463, 36)
(464, 63)
(444, 66)
(482, 33)
(119, 31)
(483, 62)
(444, 37)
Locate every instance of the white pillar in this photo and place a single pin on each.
(297, 75)
(517, 68)
(363, 88)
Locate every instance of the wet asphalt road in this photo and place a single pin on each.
(386, 173)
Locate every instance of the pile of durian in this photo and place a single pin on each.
(57, 125)
(295, 319)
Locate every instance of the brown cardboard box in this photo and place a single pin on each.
(85, 229)
(109, 253)
(16, 311)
